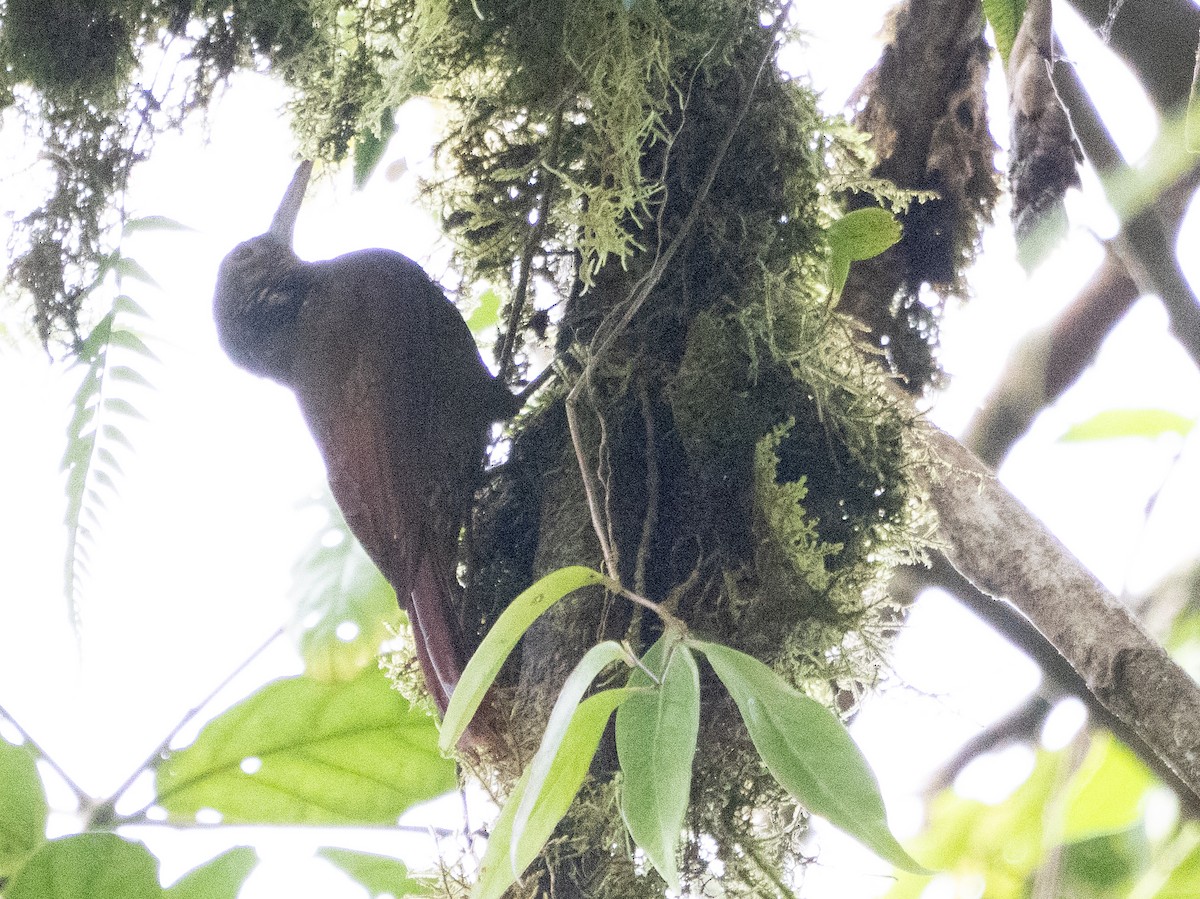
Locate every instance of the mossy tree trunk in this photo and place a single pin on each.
(716, 436)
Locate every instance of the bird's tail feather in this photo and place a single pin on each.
(431, 612)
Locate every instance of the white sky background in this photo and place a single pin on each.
(194, 556)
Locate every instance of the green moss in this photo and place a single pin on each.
(790, 544)
(69, 46)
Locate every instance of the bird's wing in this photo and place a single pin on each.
(367, 389)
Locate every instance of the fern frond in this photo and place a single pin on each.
(113, 356)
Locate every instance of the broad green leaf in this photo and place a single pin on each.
(656, 740)
(809, 751)
(863, 233)
(857, 235)
(1005, 18)
(88, 866)
(486, 314)
(343, 607)
(1115, 423)
(302, 751)
(369, 146)
(220, 878)
(1107, 793)
(22, 805)
(497, 871)
(154, 223)
(500, 641)
(577, 683)
(378, 873)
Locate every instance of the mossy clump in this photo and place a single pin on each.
(69, 46)
(790, 430)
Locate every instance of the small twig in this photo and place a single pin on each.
(650, 519)
(509, 347)
(604, 477)
(188, 717)
(79, 792)
(1021, 725)
(636, 662)
(535, 385)
(1124, 668)
(142, 820)
(601, 341)
(588, 478)
(1144, 244)
(657, 608)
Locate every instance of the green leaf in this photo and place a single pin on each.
(809, 751)
(1104, 865)
(125, 305)
(839, 271)
(119, 406)
(127, 267)
(369, 146)
(1116, 423)
(378, 873)
(129, 375)
(999, 844)
(500, 641)
(113, 434)
(577, 683)
(857, 235)
(1183, 881)
(1005, 18)
(302, 751)
(864, 233)
(656, 741)
(22, 806)
(497, 871)
(1107, 793)
(220, 878)
(88, 866)
(154, 223)
(486, 314)
(128, 340)
(343, 607)
(97, 338)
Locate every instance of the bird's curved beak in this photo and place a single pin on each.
(284, 223)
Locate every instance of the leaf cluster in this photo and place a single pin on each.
(317, 749)
(297, 752)
(802, 744)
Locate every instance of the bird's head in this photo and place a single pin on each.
(258, 292)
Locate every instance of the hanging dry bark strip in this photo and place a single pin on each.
(1000, 546)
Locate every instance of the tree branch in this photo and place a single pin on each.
(1059, 678)
(1007, 553)
(1144, 244)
